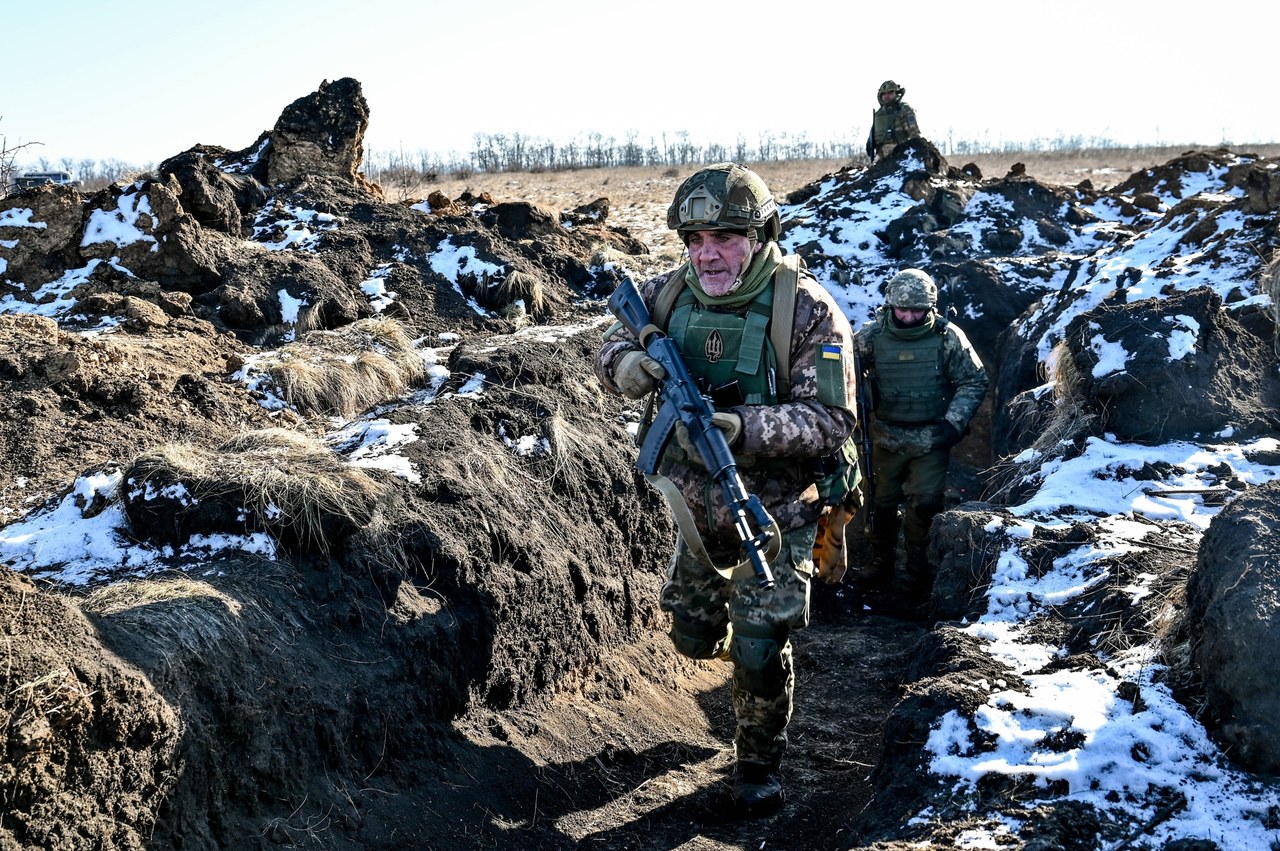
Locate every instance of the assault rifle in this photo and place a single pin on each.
(864, 406)
(681, 401)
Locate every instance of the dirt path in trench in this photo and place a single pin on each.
(641, 765)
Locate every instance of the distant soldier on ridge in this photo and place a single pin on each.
(892, 124)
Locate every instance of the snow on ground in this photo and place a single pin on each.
(458, 262)
(281, 227)
(1074, 727)
(84, 536)
(120, 226)
(375, 287)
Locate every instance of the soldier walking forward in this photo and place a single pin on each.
(926, 382)
(786, 416)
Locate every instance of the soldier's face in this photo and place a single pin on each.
(718, 258)
(908, 317)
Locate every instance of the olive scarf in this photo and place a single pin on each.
(752, 282)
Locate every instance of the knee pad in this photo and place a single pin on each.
(757, 658)
(697, 641)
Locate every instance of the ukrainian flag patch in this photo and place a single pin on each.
(830, 375)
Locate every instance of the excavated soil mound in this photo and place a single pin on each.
(428, 619)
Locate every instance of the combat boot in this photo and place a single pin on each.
(919, 571)
(875, 576)
(757, 789)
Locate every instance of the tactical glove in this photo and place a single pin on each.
(945, 435)
(727, 421)
(637, 375)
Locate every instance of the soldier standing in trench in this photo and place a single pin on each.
(892, 123)
(785, 424)
(926, 384)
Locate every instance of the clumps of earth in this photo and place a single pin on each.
(320, 532)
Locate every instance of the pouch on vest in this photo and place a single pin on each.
(840, 474)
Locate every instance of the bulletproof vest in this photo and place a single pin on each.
(912, 385)
(751, 354)
(883, 123)
(729, 352)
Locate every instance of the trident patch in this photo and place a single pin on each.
(714, 349)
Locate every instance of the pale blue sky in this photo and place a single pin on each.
(141, 80)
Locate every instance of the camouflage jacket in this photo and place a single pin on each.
(965, 384)
(799, 428)
(893, 124)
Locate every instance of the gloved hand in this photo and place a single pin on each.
(945, 435)
(727, 421)
(637, 375)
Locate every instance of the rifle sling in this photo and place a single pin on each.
(689, 531)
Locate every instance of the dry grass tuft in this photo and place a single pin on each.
(287, 480)
(346, 371)
(520, 286)
(181, 613)
(1269, 283)
(1065, 420)
(122, 596)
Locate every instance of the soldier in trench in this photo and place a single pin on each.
(926, 384)
(787, 417)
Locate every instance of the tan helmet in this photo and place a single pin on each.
(913, 289)
(725, 196)
(889, 86)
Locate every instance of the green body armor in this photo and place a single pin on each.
(883, 123)
(912, 385)
(722, 348)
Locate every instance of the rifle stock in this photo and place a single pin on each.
(682, 402)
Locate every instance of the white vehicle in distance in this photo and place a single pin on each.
(40, 178)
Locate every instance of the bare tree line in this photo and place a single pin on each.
(92, 173)
(516, 152)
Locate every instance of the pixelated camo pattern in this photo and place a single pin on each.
(696, 594)
(899, 118)
(802, 428)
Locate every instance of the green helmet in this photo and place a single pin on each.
(890, 86)
(725, 196)
(912, 289)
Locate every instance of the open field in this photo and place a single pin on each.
(638, 196)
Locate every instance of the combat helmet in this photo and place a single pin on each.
(911, 289)
(725, 196)
(889, 86)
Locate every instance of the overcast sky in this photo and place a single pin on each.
(142, 80)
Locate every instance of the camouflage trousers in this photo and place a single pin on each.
(713, 617)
